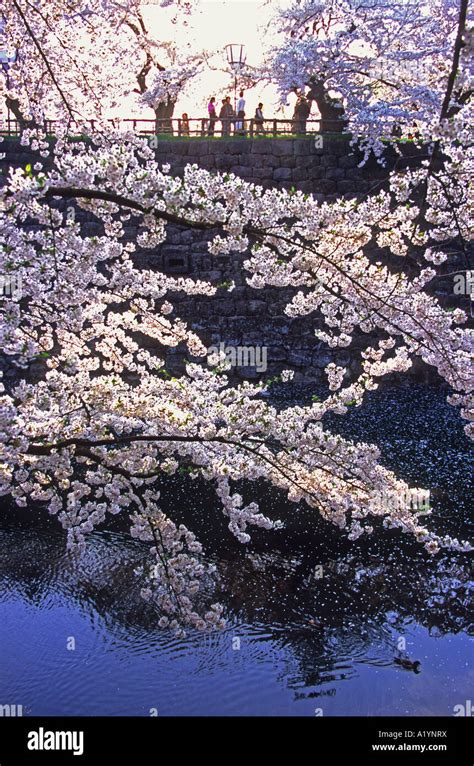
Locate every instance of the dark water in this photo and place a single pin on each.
(307, 645)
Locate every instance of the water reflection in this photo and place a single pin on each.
(314, 622)
(310, 636)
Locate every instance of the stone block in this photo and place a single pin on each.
(305, 186)
(208, 162)
(324, 186)
(224, 306)
(346, 187)
(303, 147)
(348, 161)
(262, 174)
(262, 146)
(290, 162)
(300, 174)
(276, 354)
(282, 147)
(245, 171)
(329, 161)
(299, 357)
(334, 174)
(256, 307)
(198, 148)
(282, 174)
(321, 359)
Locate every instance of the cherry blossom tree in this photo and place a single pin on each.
(372, 65)
(81, 59)
(68, 59)
(90, 420)
(165, 67)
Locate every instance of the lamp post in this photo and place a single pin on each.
(5, 68)
(236, 58)
(5, 62)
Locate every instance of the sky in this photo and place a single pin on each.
(215, 24)
(218, 23)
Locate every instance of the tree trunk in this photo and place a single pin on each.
(13, 105)
(332, 111)
(163, 114)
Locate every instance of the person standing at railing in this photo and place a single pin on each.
(241, 103)
(222, 117)
(225, 115)
(240, 124)
(301, 114)
(184, 124)
(259, 119)
(211, 110)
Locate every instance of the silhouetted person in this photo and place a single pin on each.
(259, 119)
(225, 115)
(211, 110)
(240, 124)
(241, 103)
(301, 114)
(184, 124)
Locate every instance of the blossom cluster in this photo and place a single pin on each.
(90, 419)
(388, 64)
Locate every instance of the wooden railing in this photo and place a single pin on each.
(194, 126)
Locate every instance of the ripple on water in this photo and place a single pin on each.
(301, 643)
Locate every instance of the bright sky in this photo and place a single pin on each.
(218, 23)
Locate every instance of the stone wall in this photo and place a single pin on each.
(326, 167)
(248, 317)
